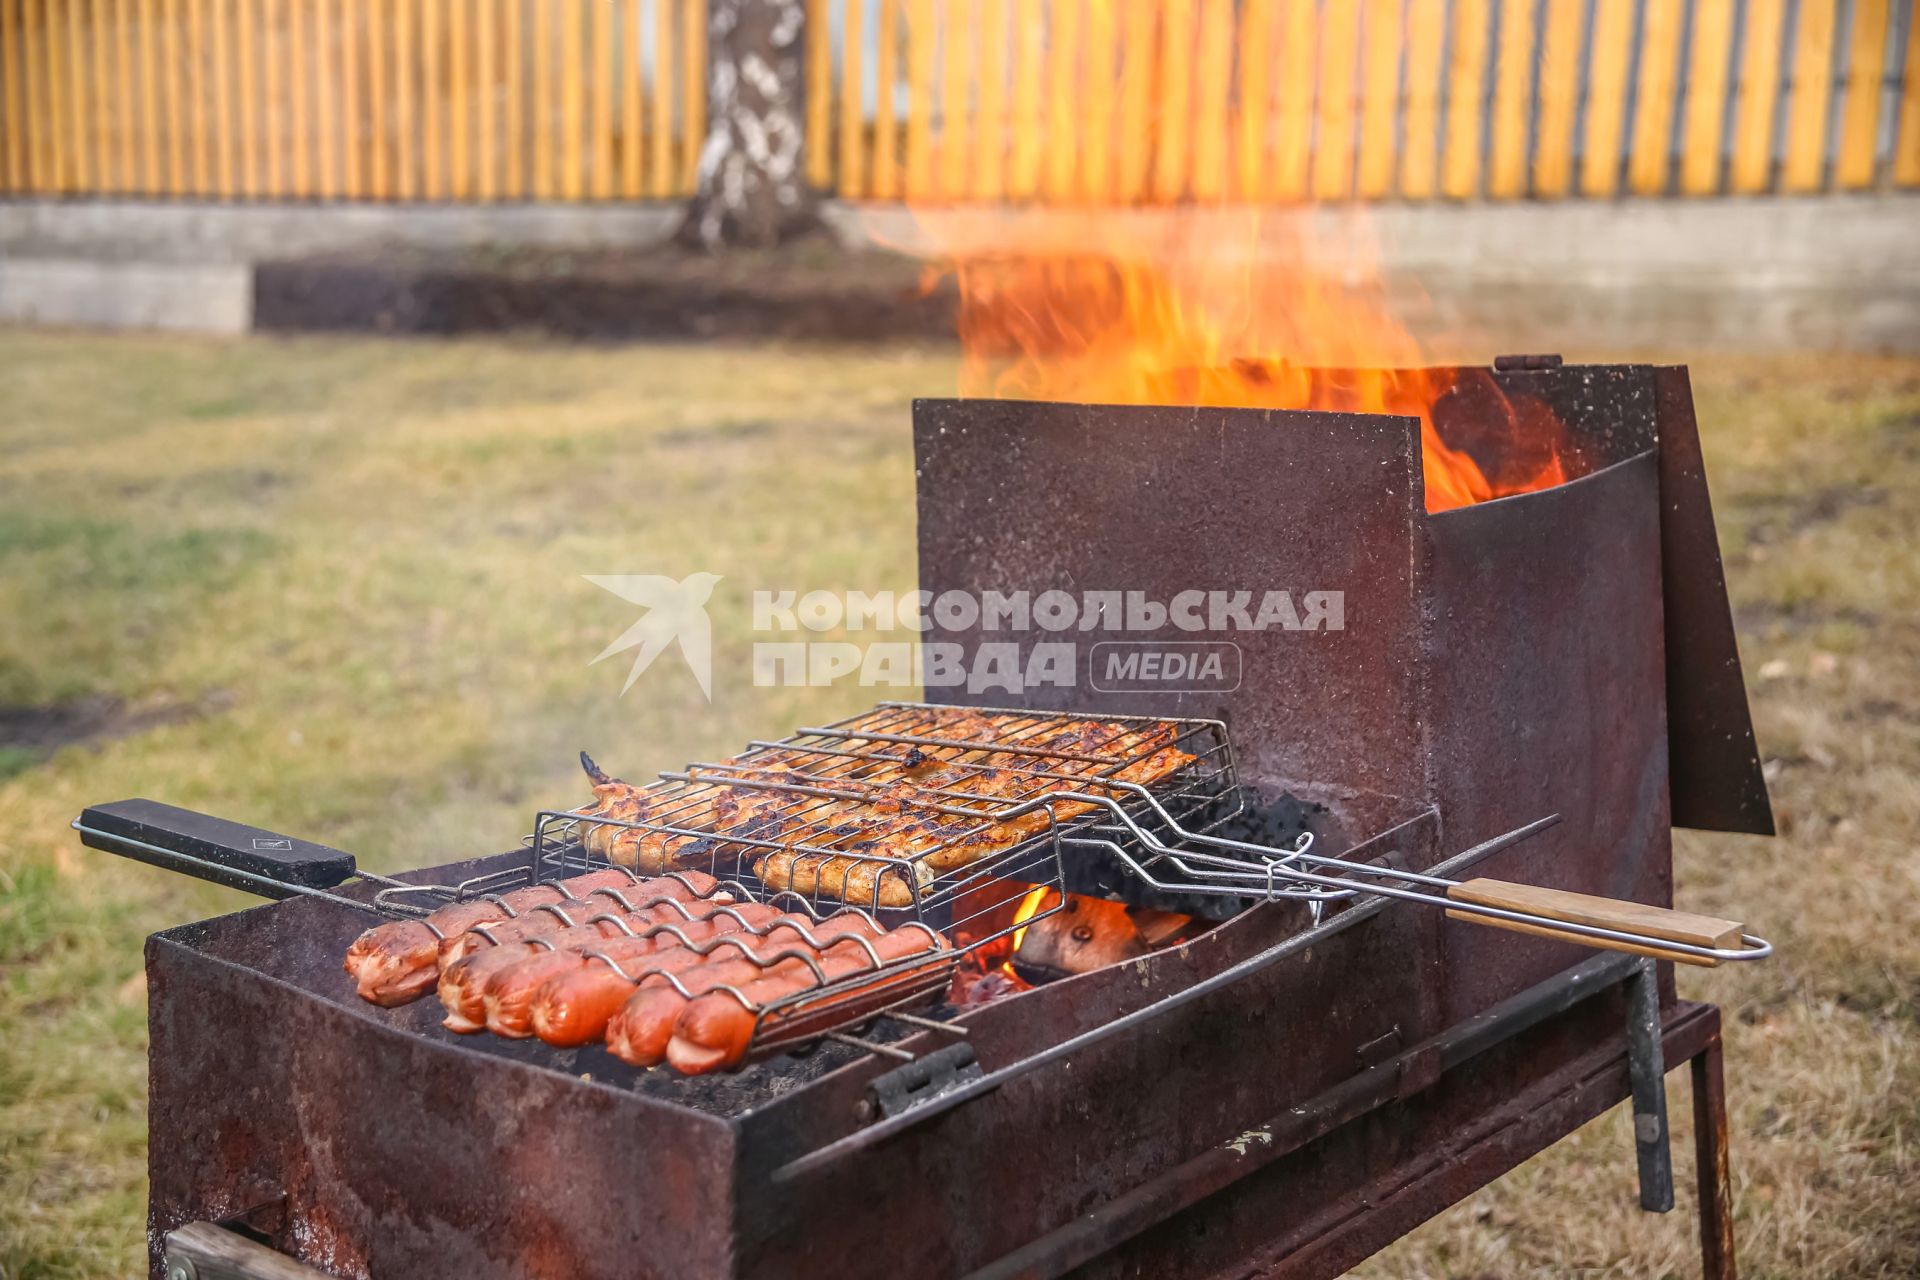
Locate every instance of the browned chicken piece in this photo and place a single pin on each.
(848, 823)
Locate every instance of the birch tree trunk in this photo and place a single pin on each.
(753, 191)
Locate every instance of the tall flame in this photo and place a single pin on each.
(1214, 307)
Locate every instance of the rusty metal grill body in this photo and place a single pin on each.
(1498, 662)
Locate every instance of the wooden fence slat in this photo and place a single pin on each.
(1299, 66)
(1173, 157)
(853, 104)
(514, 127)
(1708, 71)
(990, 139)
(406, 97)
(1512, 101)
(149, 113)
(956, 85)
(1213, 81)
(20, 106)
(352, 94)
(632, 94)
(11, 70)
(273, 26)
(1063, 97)
(379, 174)
(1654, 99)
(438, 106)
(37, 111)
(920, 50)
(487, 82)
(693, 93)
(1752, 167)
(1380, 109)
(1612, 46)
(1559, 97)
(125, 91)
(170, 21)
(886, 122)
(1906, 138)
(573, 101)
(200, 132)
(100, 82)
(819, 55)
(1806, 160)
(223, 129)
(600, 76)
(301, 143)
(327, 136)
(1339, 58)
(1139, 56)
(252, 107)
(1426, 34)
(1023, 173)
(1096, 166)
(459, 67)
(37, 25)
(1256, 96)
(54, 126)
(1466, 83)
(1860, 118)
(404, 110)
(660, 159)
(77, 114)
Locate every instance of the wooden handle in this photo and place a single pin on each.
(1603, 913)
(214, 1253)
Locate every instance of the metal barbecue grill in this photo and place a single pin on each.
(1281, 1090)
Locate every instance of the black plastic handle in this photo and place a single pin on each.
(197, 844)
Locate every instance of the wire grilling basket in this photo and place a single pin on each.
(978, 832)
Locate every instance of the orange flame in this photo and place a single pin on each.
(1214, 307)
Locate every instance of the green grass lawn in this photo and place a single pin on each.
(335, 587)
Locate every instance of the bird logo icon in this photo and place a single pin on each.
(674, 611)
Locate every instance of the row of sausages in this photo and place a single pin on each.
(666, 969)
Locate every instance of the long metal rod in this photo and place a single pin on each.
(1278, 865)
(883, 1129)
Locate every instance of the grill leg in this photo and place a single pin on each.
(1710, 1157)
(1647, 1069)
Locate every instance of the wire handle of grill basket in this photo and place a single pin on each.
(251, 859)
(209, 848)
(1173, 859)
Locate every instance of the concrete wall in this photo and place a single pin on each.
(1824, 272)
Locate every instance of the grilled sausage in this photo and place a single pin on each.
(712, 1032)
(575, 1006)
(510, 993)
(597, 1006)
(464, 983)
(549, 917)
(399, 961)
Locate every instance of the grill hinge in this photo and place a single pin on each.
(922, 1080)
(1526, 363)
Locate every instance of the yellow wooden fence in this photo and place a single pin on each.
(1066, 101)
(469, 100)
(1157, 101)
